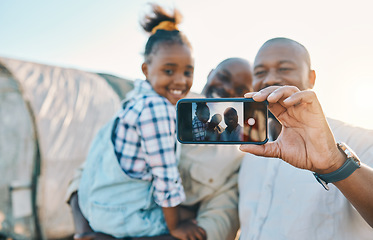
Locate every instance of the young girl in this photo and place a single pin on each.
(130, 185)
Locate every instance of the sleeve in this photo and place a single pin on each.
(157, 130)
(218, 214)
(74, 183)
(359, 139)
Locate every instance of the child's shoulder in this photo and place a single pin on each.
(153, 104)
(144, 95)
(150, 100)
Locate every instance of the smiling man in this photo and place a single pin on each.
(233, 131)
(283, 199)
(231, 78)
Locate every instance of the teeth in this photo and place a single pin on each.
(176, 92)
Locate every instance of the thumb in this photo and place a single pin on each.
(265, 150)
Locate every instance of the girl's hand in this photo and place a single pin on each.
(189, 230)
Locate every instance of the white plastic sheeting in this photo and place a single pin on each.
(69, 107)
(17, 154)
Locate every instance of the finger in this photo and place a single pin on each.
(282, 93)
(250, 94)
(276, 99)
(202, 233)
(265, 150)
(276, 109)
(264, 93)
(198, 235)
(308, 97)
(272, 92)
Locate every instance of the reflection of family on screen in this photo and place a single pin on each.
(205, 130)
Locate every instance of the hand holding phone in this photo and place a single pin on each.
(222, 121)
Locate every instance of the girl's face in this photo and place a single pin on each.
(170, 71)
(203, 114)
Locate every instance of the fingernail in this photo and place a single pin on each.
(249, 94)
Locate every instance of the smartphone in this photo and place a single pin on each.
(222, 121)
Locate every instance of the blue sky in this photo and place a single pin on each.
(105, 36)
(67, 33)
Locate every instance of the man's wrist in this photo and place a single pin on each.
(339, 159)
(349, 166)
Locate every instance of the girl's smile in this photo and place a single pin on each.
(170, 71)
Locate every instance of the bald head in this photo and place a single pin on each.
(282, 61)
(231, 78)
(294, 44)
(233, 61)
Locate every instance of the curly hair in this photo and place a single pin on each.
(161, 36)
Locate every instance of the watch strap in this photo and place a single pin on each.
(341, 173)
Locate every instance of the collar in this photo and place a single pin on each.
(141, 87)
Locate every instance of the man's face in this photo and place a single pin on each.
(282, 63)
(230, 117)
(231, 78)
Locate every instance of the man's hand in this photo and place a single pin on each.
(306, 140)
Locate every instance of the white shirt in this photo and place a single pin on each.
(235, 135)
(279, 201)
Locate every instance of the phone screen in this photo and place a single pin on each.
(224, 121)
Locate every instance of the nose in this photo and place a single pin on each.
(180, 79)
(271, 79)
(225, 88)
(222, 88)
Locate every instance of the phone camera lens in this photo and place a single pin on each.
(251, 121)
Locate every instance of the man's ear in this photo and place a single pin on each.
(311, 79)
(144, 68)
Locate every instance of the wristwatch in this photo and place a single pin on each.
(352, 163)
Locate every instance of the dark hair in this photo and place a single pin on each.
(201, 106)
(230, 109)
(152, 20)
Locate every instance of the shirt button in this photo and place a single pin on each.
(211, 180)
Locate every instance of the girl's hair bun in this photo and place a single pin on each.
(163, 27)
(160, 19)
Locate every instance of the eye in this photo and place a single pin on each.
(284, 69)
(188, 73)
(260, 73)
(223, 77)
(169, 71)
